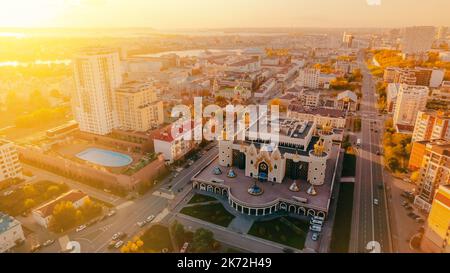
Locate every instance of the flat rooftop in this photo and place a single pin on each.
(287, 127)
(240, 184)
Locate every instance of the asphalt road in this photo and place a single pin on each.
(370, 221)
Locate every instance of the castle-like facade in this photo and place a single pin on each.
(299, 155)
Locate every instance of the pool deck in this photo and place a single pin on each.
(78, 146)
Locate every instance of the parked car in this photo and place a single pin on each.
(412, 215)
(112, 244)
(184, 248)
(319, 218)
(315, 236)
(118, 244)
(420, 220)
(35, 248)
(375, 202)
(111, 213)
(315, 228)
(141, 224)
(118, 235)
(48, 242)
(6, 193)
(150, 218)
(316, 222)
(80, 228)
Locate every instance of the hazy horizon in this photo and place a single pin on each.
(220, 14)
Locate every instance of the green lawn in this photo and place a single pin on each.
(342, 224)
(349, 165)
(156, 238)
(29, 196)
(200, 198)
(213, 213)
(290, 231)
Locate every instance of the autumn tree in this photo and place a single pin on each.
(64, 217)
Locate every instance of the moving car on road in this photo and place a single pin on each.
(48, 242)
(80, 228)
(118, 244)
(375, 202)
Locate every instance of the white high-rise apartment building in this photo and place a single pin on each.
(410, 100)
(10, 166)
(97, 75)
(417, 39)
(309, 77)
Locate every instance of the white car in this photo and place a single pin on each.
(111, 213)
(316, 222)
(375, 202)
(118, 244)
(6, 193)
(150, 218)
(116, 236)
(80, 228)
(141, 224)
(315, 236)
(315, 228)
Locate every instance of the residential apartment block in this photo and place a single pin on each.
(431, 124)
(138, 107)
(410, 100)
(97, 73)
(434, 172)
(10, 166)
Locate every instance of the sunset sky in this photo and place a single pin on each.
(166, 14)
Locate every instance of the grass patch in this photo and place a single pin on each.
(156, 238)
(340, 238)
(200, 198)
(213, 213)
(349, 165)
(290, 231)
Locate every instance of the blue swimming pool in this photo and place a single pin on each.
(105, 158)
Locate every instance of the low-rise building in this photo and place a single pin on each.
(176, 140)
(320, 115)
(44, 213)
(11, 232)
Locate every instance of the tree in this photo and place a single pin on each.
(203, 240)
(277, 102)
(393, 164)
(53, 190)
(65, 216)
(178, 232)
(134, 246)
(90, 209)
(415, 176)
(29, 203)
(29, 191)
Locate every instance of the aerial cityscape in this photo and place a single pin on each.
(194, 126)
